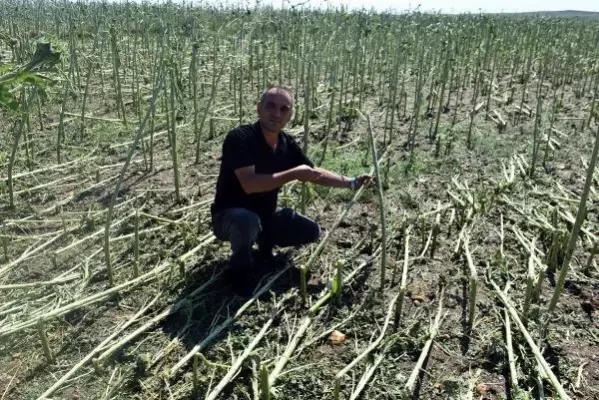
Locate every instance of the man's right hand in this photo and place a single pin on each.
(305, 173)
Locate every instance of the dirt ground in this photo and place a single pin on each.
(463, 358)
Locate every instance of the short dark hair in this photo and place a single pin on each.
(277, 88)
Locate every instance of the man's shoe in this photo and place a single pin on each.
(241, 274)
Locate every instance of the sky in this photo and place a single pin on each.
(445, 6)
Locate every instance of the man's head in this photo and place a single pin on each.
(275, 108)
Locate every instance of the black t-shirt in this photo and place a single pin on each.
(245, 146)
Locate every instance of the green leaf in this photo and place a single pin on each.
(7, 100)
(32, 79)
(5, 68)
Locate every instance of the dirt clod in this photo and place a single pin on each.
(336, 338)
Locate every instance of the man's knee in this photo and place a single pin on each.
(314, 233)
(306, 230)
(245, 226)
(238, 225)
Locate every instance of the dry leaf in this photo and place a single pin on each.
(336, 337)
(481, 388)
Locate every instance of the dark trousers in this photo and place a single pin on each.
(242, 228)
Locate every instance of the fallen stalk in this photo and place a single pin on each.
(306, 322)
(149, 324)
(510, 352)
(404, 279)
(99, 347)
(368, 350)
(366, 376)
(31, 252)
(434, 329)
(129, 285)
(16, 286)
(198, 347)
(537, 353)
(237, 364)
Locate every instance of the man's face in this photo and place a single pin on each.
(275, 111)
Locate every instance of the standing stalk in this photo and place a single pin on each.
(216, 74)
(174, 153)
(307, 95)
(117, 78)
(580, 216)
(381, 205)
(444, 77)
(132, 148)
(90, 67)
(18, 130)
(193, 72)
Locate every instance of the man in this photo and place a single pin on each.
(257, 160)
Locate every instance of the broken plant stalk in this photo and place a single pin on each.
(98, 348)
(368, 350)
(537, 353)
(434, 329)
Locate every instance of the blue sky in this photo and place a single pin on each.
(447, 6)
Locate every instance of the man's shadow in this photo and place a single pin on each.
(206, 302)
(203, 313)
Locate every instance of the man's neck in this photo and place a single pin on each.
(272, 138)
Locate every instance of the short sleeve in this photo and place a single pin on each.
(296, 154)
(235, 152)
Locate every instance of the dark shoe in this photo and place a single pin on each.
(241, 274)
(262, 256)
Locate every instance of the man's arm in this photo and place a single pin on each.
(326, 178)
(251, 182)
(332, 179)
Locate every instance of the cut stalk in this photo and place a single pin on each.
(436, 230)
(371, 347)
(434, 329)
(537, 353)
(195, 373)
(589, 263)
(530, 283)
(241, 359)
(404, 279)
(44, 339)
(264, 383)
(472, 283)
(510, 351)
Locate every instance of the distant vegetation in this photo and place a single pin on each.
(557, 14)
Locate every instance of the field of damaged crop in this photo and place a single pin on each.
(468, 272)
